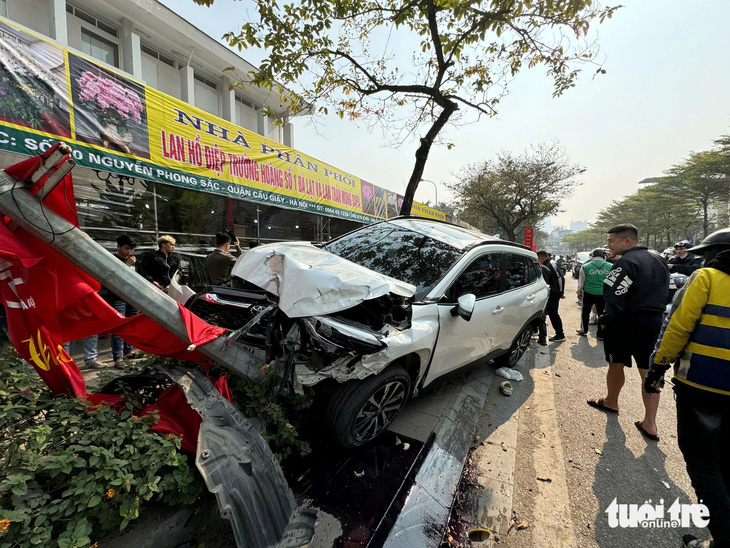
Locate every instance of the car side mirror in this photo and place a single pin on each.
(465, 306)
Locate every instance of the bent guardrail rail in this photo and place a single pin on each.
(247, 478)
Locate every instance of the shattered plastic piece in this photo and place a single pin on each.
(397, 441)
(545, 479)
(506, 388)
(503, 446)
(522, 525)
(666, 485)
(406, 446)
(359, 474)
(479, 534)
(598, 451)
(509, 373)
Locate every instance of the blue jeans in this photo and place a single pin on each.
(119, 347)
(90, 346)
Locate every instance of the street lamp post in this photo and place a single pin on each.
(435, 190)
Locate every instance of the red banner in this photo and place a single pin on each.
(529, 236)
(49, 301)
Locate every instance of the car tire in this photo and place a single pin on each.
(359, 411)
(517, 350)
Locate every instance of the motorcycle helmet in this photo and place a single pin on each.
(682, 243)
(713, 244)
(598, 252)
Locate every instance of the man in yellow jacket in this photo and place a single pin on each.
(696, 339)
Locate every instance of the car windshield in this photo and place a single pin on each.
(583, 256)
(399, 252)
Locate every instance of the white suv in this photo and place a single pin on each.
(369, 319)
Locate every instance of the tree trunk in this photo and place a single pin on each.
(422, 156)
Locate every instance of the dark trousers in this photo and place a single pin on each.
(552, 312)
(703, 436)
(588, 302)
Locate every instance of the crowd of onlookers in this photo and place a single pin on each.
(627, 291)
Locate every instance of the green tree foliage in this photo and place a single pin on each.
(349, 55)
(584, 240)
(692, 200)
(513, 192)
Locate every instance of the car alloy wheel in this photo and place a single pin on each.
(517, 349)
(359, 411)
(378, 411)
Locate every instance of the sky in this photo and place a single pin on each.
(665, 94)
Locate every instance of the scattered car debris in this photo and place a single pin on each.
(544, 479)
(666, 485)
(598, 451)
(503, 446)
(506, 388)
(510, 374)
(406, 446)
(479, 534)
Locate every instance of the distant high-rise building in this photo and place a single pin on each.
(577, 226)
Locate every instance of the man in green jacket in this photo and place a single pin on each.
(590, 289)
(696, 339)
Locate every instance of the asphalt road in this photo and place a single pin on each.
(546, 466)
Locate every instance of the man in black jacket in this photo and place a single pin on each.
(684, 262)
(635, 292)
(160, 266)
(557, 291)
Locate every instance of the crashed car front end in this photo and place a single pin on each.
(319, 316)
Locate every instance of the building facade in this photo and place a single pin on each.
(164, 141)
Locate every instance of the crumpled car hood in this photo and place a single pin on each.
(311, 281)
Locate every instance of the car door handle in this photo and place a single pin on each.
(530, 297)
(498, 310)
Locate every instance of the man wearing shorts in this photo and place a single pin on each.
(635, 292)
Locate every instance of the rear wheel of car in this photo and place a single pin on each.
(359, 411)
(517, 349)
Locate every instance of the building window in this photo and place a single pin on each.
(204, 80)
(97, 47)
(89, 19)
(157, 55)
(3, 8)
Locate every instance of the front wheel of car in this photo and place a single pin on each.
(359, 411)
(517, 349)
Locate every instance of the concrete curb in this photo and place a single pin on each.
(426, 512)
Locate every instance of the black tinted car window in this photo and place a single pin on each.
(399, 253)
(482, 277)
(535, 271)
(516, 271)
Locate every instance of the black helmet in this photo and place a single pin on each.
(598, 252)
(682, 243)
(719, 238)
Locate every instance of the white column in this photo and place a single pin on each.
(132, 52)
(57, 21)
(228, 97)
(289, 135)
(262, 123)
(187, 85)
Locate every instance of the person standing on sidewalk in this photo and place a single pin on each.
(635, 292)
(684, 262)
(220, 261)
(557, 292)
(125, 253)
(697, 332)
(160, 266)
(590, 289)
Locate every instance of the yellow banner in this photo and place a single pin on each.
(120, 125)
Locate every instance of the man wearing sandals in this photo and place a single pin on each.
(635, 292)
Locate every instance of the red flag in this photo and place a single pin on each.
(49, 301)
